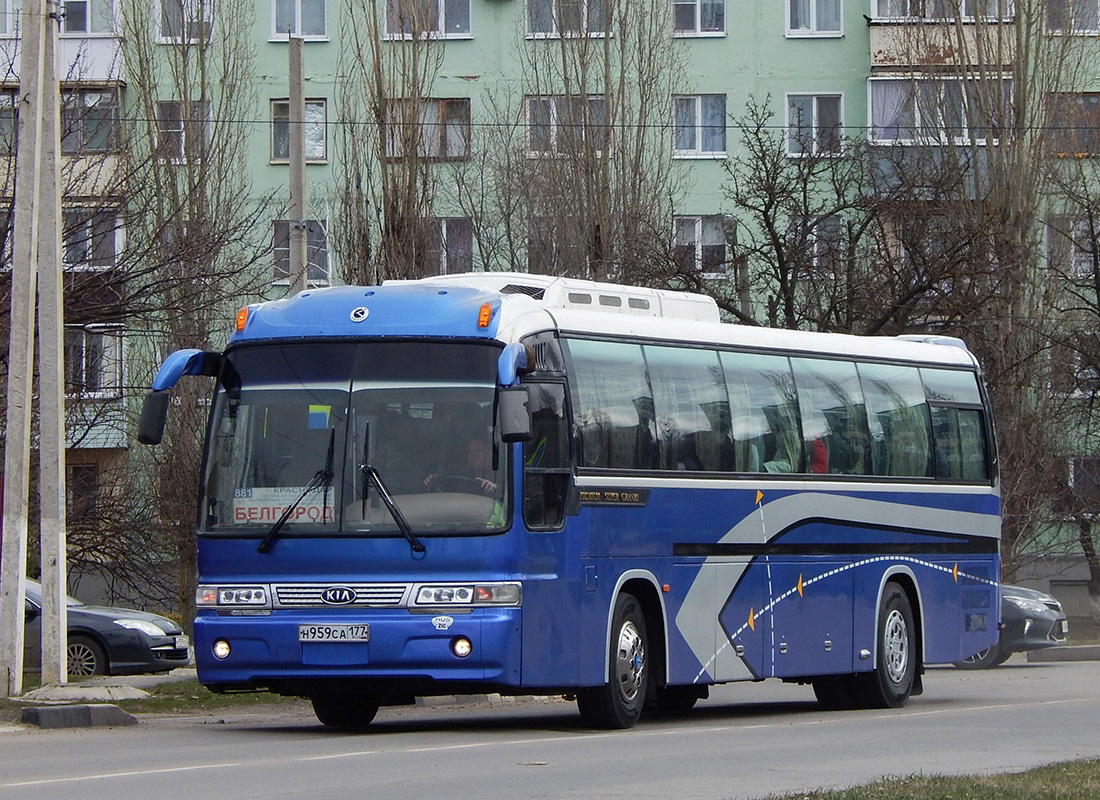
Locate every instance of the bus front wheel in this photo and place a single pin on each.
(350, 712)
(618, 703)
(891, 682)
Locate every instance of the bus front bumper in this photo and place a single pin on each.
(393, 647)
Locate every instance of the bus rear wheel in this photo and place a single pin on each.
(348, 711)
(618, 703)
(891, 682)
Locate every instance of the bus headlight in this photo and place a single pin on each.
(467, 594)
(222, 596)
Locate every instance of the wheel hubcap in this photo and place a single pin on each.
(81, 660)
(895, 644)
(630, 661)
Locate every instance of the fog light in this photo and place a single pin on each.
(461, 646)
(221, 649)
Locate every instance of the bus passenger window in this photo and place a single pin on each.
(691, 408)
(901, 436)
(834, 422)
(763, 413)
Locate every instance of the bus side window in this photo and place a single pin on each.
(547, 470)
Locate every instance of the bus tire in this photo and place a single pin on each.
(675, 701)
(618, 703)
(350, 712)
(891, 682)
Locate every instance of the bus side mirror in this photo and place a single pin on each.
(154, 412)
(515, 417)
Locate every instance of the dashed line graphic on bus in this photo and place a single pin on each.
(799, 588)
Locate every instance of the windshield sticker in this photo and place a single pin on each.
(318, 416)
(267, 504)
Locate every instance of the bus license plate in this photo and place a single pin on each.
(334, 633)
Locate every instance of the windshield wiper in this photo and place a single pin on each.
(370, 475)
(323, 477)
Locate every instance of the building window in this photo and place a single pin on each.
(566, 17)
(8, 117)
(945, 10)
(1073, 247)
(698, 17)
(452, 248)
(437, 128)
(430, 18)
(1073, 16)
(305, 18)
(700, 244)
(314, 130)
(699, 125)
(183, 130)
(813, 17)
(826, 240)
(89, 121)
(1075, 124)
(317, 267)
(81, 490)
(560, 125)
(88, 16)
(90, 238)
(938, 110)
(93, 361)
(186, 21)
(813, 124)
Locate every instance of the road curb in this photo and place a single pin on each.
(1081, 652)
(92, 715)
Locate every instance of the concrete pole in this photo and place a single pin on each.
(13, 553)
(299, 269)
(51, 376)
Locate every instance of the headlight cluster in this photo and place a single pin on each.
(467, 594)
(142, 625)
(223, 596)
(1027, 604)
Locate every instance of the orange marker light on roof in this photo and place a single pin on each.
(484, 315)
(242, 318)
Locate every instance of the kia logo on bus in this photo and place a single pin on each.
(359, 314)
(338, 595)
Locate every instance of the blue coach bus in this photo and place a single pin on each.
(532, 485)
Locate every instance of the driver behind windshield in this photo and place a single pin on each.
(475, 476)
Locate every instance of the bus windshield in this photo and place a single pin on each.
(297, 425)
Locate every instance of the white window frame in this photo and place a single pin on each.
(920, 127)
(315, 128)
(814, 30)
(96, 12)
(112, 333)
(555, 101)
(9, 18)
(279, 35)
(440, 31)
(281, 254)
(9, 112)
(85, 227)
(815, 124)
(699, 223)
(1066, 236)
(926, 10)
(697, 31)
(182, 128)
(191, 11)
(555, 14)
(698, 128)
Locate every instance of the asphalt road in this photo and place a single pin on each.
(746, 741)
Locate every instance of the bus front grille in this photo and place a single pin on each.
(322, 595)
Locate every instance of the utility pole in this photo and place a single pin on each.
(51, 374)
(13, 552)
(299, 264)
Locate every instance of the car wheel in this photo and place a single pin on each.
(618, 703)
(992, 656)
(891, 682)
(86, 657)
(351, 712)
